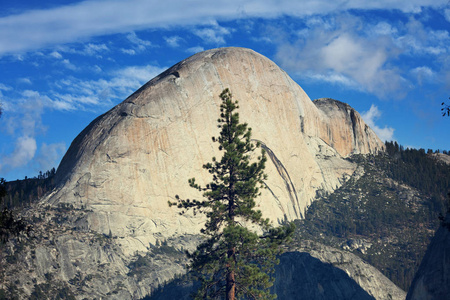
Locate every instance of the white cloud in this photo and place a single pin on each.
(383, 28)
(88, 49)
(63, 105)
(24, 120)
(213, 35)
(24, 117)
(50, 155)
(23, 153)
(24, 80)
(447, 14)
(423, 73)
(25, 113)
(80, 100)
(96, 69)
(24, 123)
(94, 49)
(30, 107)
(140, 44)
(39, 28)
(5, 88)
(419, 40)
(67, 64)
(136, 44)
(78, 94)
(384, 133)
(332, 77)
(128, 51)
(173, 41)
(194, 50)
(339, 52)
(56, 54)
(18, 57)
(348, 54)
(137, 75)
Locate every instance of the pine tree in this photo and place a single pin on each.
(233, 261)
(2, 188)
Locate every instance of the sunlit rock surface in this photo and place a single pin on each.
(129, 162)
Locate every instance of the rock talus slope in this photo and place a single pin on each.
(129, 162)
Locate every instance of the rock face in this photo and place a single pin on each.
(372, 282)
(432, 280)
(59, 261)
(445, 158)
(301, 276)
(344, 130)
(129, 162)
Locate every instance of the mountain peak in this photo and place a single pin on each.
(346, 131)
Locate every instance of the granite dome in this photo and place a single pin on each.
(130, 161)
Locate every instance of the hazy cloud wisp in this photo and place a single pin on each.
(38, 28)
(339, 51)
(384, 133)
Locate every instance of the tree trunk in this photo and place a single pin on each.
(231, 283)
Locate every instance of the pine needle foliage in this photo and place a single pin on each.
(234, 262)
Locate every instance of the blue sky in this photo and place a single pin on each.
(64, 62)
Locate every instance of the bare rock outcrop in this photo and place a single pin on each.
(57, 261)
(444, 158)
(129, 162)
(375, 284)
(344, 129)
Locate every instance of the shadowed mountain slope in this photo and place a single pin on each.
(432, 280)
(314, 272)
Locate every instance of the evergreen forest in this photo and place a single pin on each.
(388, 215)
(21, 193)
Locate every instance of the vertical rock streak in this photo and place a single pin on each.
(284, 174)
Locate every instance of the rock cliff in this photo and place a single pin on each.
(432, 280)
(344, 130)
(129, 162)
(368, 278)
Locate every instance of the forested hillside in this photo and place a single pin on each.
(20, 193)
(387, 213)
